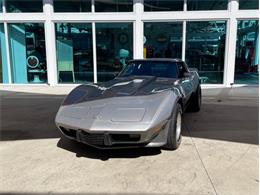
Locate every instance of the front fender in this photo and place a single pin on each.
(166, 107)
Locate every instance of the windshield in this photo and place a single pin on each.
(149, 68)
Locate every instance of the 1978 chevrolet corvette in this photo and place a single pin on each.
(142, 106)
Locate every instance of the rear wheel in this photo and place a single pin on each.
(195, 103)
(174, 132)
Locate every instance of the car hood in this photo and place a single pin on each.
(119, 87)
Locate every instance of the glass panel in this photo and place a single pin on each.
(205, 49)
(72, 6)
(163, 5)
(113, 5)
(1, 6)
(247, 52)
(17, 6)
(162, 40)
(27, 52)
(114, 48)
(3, 62)
(248, 4)
(207, 5)
(74, 52)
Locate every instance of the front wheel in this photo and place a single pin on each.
(174, 132)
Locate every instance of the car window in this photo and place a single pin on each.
(148, 68)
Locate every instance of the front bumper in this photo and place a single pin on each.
(106, 140)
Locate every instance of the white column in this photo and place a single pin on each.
(94, 45)
(183, 40)
(185, 5)
(7, 48)
(138, 30)
(92, 6)
(94, 51)
(183, 52)
(230, 50)
(8, 57)
(50, 43)
(3, 6)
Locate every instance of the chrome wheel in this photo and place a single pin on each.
(178, 126)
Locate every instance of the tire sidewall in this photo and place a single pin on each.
(172, 142)
(199, 97)
(195, 102)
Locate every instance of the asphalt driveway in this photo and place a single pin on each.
(218, 155)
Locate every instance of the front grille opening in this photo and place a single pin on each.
(68, 132)
(92, 138)
(125, 137)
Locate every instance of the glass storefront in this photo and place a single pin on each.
(248, 4)
(17, 6)
(204, 45)
(162, 40)
(193, 5)
(3, 62)
(205, 49)
(113, 5)
(114, 48)
(74, 52)
(247, 52)
(100, 5)
(27, 53)
(163, 5)
(72, 6)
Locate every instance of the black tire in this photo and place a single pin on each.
(173, 140)
(195, 102)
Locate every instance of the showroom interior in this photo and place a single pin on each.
(60, 42)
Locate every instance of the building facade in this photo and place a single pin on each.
(60, 42)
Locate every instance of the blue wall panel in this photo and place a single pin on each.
(3, 55)
(18, 53)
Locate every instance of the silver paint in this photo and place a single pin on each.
(137, 104)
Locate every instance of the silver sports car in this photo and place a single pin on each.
(142, 106)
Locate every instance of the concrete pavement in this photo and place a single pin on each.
(218, 155)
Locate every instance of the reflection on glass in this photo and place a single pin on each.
(248, 4)
(72, 6)
(27, 52)
(205, 49)
(207, 5)
(247, 52)
(157, 69)
(114, 48)
(3, 63)
(17, 6)
(1, 6)
(163, 5)
(74, 52)
(113, 5)
(162, 40)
